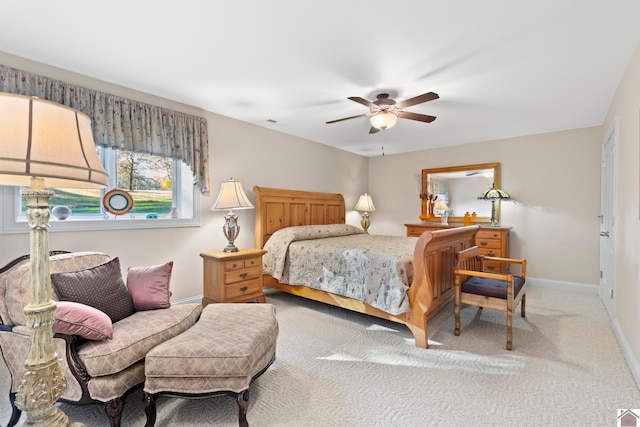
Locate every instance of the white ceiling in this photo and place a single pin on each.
(502, 68)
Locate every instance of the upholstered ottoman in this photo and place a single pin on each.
(228, 347)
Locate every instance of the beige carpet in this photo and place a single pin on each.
(336, 368)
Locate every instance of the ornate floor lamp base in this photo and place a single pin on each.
(43, 381)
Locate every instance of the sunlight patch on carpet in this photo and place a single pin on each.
(380, 328)
(441, 360)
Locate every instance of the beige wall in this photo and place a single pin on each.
(248, 153)
(626, 107)
(554, 181)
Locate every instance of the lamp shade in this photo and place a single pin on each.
(440, 206)
(365, 204)
(494, 194)
(232, 196)
(47, 140)
(383, 120)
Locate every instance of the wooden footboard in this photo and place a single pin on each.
(432, 288)
(434, 255)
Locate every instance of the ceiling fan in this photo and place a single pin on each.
(384, 112)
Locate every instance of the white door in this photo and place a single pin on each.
(607, 219)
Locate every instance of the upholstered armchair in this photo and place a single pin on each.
(502, 292)
(102, 360)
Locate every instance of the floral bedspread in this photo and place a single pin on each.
(341, 259)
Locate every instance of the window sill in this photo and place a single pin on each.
(21, 226)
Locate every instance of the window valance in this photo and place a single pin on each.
(123, 123)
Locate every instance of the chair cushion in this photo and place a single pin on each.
(134, 336)
(491, 287)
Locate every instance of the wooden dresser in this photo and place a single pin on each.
(491, 241)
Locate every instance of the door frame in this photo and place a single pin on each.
(610, 137)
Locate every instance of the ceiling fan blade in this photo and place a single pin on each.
(430, 96)
(373, 130)
(363, 101)
(415, 116)
(347, 118)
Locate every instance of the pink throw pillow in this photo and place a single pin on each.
(73, 318)
(149, 286)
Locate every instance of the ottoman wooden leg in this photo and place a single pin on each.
(113, 409)
(150, 409)
(243, 403)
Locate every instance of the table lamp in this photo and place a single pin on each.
(43, 143)
(232, 196)
(365, 205)
(494, 195)
(441, 208)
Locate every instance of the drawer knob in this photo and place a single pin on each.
(490, 267)
(483, 243)
(244, 288)
(244, 275)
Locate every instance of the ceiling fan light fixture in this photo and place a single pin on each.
(383, 120)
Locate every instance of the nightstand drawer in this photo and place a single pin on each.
(253, 262)
(242, 274)
(233, 265)
(243, 288)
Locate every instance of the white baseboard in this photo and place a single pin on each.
(197, 299)
(565, 286)
(634, 364)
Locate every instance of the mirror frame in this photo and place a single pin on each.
(496, 182)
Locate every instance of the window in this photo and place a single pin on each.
(162, 191)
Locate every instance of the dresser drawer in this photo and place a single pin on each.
(490, 251)
(243, 288)
(488, 243)
(242, 274)
(494, 267)
(415, 231)
(489, 234)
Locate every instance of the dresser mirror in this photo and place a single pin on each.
(460, 186)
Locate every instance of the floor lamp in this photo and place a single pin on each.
(44, 144)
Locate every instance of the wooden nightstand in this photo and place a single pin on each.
(232, 276)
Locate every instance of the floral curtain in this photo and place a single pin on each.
(123, 123)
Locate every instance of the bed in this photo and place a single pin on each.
(424, 265)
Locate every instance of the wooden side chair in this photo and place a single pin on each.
(474, 286)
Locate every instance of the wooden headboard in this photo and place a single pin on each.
(278, 208)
